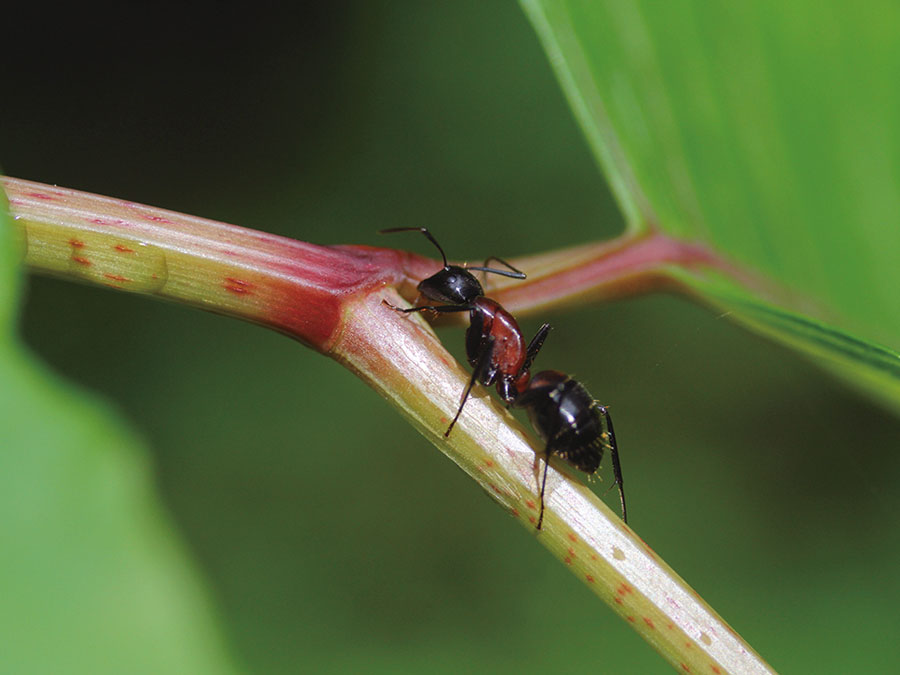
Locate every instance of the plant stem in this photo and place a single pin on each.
(331, 298)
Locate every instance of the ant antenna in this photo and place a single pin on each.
(519, 274)
(514, 274)
(423, 230)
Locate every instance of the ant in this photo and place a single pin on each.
(573, 425)
(495, 347)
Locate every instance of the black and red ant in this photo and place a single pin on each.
(495, 347)
(573, 425)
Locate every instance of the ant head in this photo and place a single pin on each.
(453, 285)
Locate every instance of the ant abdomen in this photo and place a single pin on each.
(573, 426)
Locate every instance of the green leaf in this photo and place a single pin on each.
(91, 575)
(767, 130)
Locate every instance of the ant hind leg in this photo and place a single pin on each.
(609, 439)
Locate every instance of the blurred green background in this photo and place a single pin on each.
(331, 534)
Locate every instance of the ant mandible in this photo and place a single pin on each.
(495, 347)
(573, 425)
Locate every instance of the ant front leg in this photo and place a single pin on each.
(438, 309)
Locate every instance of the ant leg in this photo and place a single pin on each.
(535, 346)
(548, 453)
(521, 378)
(610, 439)
(484, 360)
(543, 486)
(439, 309)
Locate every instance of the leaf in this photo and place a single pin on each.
(91, 575)
(767, 131)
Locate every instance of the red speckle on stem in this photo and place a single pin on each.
(123, 249)
(649, 622)
(117, 277)
(571, 552)
(590, 579)
(623, 589)
(81, 261)
(109, 222)
(572, 537)
(530, 504)
(238, 286)
(716, 669)
(618, 601)
(515, 512)
(41, 195)
(76, 243)
(686, 667)
(631, 619)
(157, 219)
